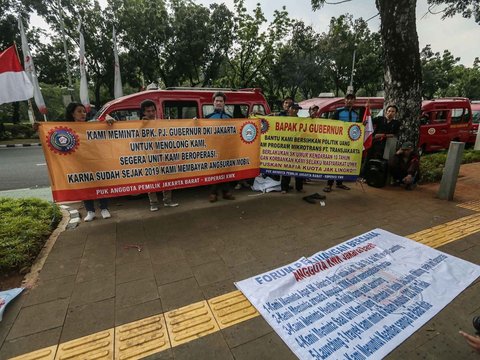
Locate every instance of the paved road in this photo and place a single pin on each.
(22, 168)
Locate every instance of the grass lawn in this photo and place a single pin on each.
(25, 225)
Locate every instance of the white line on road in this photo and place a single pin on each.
(42, 164)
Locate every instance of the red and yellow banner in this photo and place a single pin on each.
(313, 148)
(95, 160)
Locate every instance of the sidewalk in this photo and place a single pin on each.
(95, 280)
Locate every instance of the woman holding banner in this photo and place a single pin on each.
(76, 112)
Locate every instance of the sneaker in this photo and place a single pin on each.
(238, 186)
(170, 204)
(153, 208)
(212, 198)
(106, 214)
(90, 216)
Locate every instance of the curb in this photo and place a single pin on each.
(18, 145)
(74, 217)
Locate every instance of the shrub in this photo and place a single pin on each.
(432, 165)
(25, 225)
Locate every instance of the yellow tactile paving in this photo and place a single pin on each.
(141, 338)
(92, 347)
(42, 354)
(446, 233)
(231, 309)
(471, 205)
(190, 322)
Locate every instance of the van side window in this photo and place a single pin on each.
(180, 109)
(258, 109)
(457, 116)
(441, 117)
(235, 111)
(125, 114)
(425, 118)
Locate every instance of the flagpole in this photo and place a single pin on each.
(67, 62)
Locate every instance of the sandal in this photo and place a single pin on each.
(327, 189)
(344, 187)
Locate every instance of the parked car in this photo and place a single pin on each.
(185, 103)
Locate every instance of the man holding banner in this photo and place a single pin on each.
(219, 99)
(347, 114)
(148, 111)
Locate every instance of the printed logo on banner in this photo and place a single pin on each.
(354, 132)
(265, 125)
(63, 140)
(248, 132)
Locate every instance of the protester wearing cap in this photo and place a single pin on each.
(404, 166)
(293, 110)
(347, 114)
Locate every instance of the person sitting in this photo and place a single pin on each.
(404, 166)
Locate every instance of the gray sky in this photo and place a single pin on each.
(460, 36)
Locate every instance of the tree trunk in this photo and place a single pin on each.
(402, 68)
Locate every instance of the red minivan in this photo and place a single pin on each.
(442, 120)
(186, 103)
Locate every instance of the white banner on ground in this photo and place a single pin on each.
(359, 299)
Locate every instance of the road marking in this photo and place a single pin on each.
(163, 331)
(42, 164)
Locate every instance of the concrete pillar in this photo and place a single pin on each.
(450, 172)
(477, 140)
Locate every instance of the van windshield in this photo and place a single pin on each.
(236, 111)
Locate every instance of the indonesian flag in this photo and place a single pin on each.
(14, 82)
(84, 99)
(30, 70)
(367, 121)
(117, 82)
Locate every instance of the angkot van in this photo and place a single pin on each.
(185, 103)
